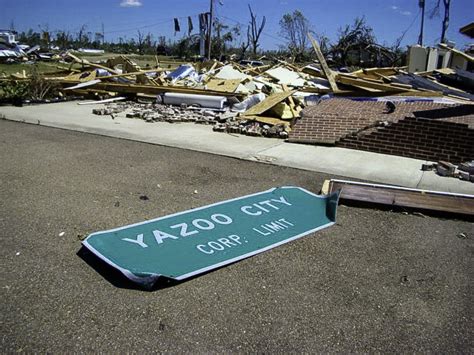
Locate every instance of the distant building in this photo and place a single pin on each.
(445, 56)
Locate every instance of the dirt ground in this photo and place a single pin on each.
(376, 281)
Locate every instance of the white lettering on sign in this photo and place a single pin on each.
(184, 230)
(159, 236)
(273, 227)
(218, 218)
(138, 241)
(257, 208)
(246, 209)
(208, 225)
(219, 244)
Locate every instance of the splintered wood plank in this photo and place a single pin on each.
(269, 120)
(348, 80)
(94, 65)
(454, 50)
(404, 197)
(148, 89)
(229, 85)
(292, 102)
(268, 103)
(324, 65)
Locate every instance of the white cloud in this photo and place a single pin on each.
(398, 10)
(131, 3)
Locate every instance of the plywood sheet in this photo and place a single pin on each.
(405, 197)
(268, 103)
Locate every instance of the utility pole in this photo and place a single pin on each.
(421, 4)
(211, 15)
(103, 34)
(446, 3)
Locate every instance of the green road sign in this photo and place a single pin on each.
(188, 243)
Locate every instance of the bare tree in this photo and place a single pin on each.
(45, 38)
(356, 38)
(295, 27)
(435, 13)
(98, 38)
(81, 36)
(244, 45)
(254, 31)
(63, 39)
(140, 41)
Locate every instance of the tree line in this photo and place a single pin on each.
(355, 43)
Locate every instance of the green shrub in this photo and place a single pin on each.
(35, 88)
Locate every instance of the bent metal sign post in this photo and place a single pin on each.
(188, 243)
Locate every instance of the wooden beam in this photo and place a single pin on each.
(454, 50)
(401, 196)
(349, 80)
(86, 62)
(289, 65)
(291, 101)
(131, 74)
(150, 89)
(268, 103)
(268, 120)
(417, 93)
(324, 65)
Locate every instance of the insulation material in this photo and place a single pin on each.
(229, 73)
(286, 76)
(217, 102)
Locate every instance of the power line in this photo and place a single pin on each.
(139, 28)
(409, 27)
(141, 22)
(151, 25)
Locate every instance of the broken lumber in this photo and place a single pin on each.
(370, 84)
(131, 74)
(105, 101)
(83, 85)
(268, 103)
(291, 101)
(267, 120)
(401, 196)
(86, 62)
(143, 89)
(454, 50)
(324, 66)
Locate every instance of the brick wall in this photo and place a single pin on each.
(423, 130)
(419, 138)
(333, 119)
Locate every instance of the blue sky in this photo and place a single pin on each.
(122, 18)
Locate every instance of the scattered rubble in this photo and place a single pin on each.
(463, 171)
(261, 99)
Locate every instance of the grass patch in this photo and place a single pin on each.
(42, 67)
(143, 61)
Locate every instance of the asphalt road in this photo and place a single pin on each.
(376, 281)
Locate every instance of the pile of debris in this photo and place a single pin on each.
(155, 112)
(222, 121)
(463, 171)
(13, 52)
(239, 98)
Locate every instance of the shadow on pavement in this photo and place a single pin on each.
(116, 278)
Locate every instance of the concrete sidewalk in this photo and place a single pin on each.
(356, 164)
